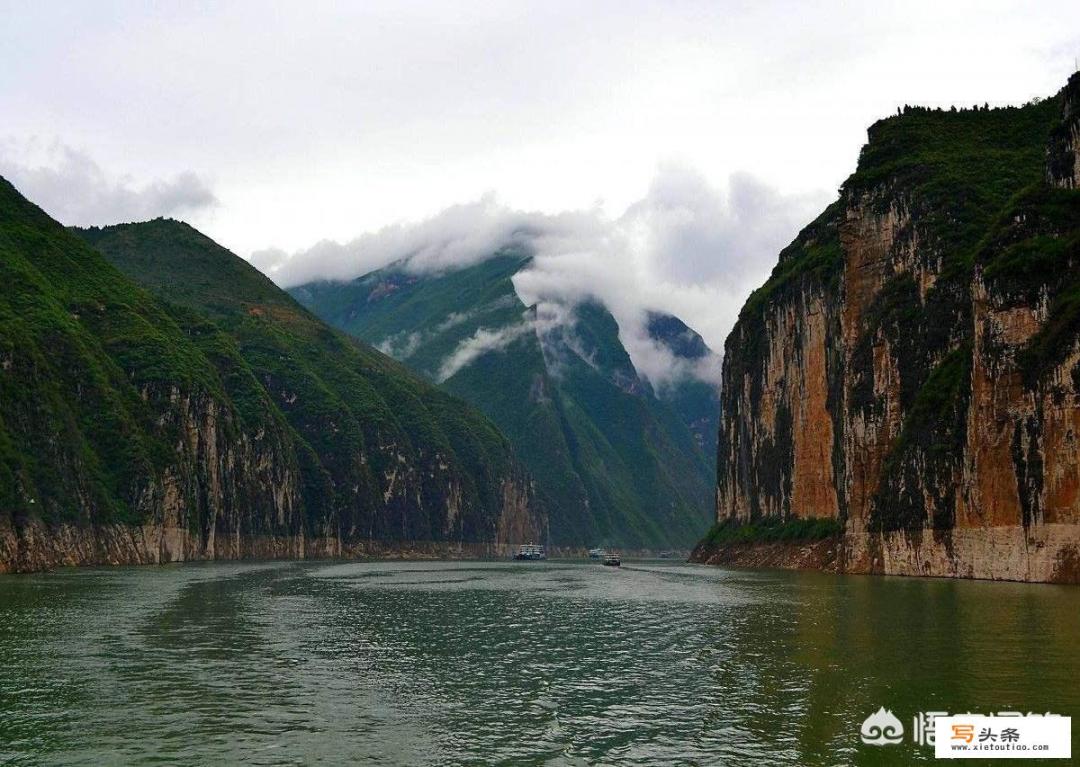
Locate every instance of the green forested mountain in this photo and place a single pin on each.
(616, 463)
(205, 414)
(86, 355)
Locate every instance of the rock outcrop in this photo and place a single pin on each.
(912, 366)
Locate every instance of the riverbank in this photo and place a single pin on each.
(1047, 553)
(37, 547)
(787, 555)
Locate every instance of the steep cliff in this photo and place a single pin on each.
(910, 369)
(228, 423)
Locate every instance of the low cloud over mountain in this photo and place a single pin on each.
(685, 248)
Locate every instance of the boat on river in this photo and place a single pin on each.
(530, 552)
(596, 553)
(612, 560)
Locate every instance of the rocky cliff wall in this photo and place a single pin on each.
(227, 494)
(911, 367)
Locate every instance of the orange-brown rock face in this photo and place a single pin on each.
(912, 367)
(785, 445)
(874, 244)
(813, 488)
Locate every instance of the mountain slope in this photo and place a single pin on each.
(117, 439)
(910, 369)
(616, 464)
(230, 423)
(391, 457)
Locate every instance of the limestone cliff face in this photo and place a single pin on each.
(912, 367)
(223, 495)
(231, 495)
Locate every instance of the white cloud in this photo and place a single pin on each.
(481, 342)
(401, 346)
(657, 363)
(685, 248)
(71, 187)
(455, 237)
(553, 322)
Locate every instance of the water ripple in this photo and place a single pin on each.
(499, 663)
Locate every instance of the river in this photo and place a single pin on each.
(555, 663)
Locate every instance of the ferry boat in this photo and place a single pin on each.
(530, 552)
(612, 560)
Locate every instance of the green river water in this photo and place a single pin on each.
(556, 663)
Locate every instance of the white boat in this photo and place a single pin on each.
(530, 552)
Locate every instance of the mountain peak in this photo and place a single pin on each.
(682, 340)
(185, 264)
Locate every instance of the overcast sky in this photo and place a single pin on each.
(275, 126)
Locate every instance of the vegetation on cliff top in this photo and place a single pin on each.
(958, 168)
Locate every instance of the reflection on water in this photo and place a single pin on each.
(499, 663)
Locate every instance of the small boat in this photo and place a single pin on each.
(596, 553)
(612, 560)
(530, 552)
